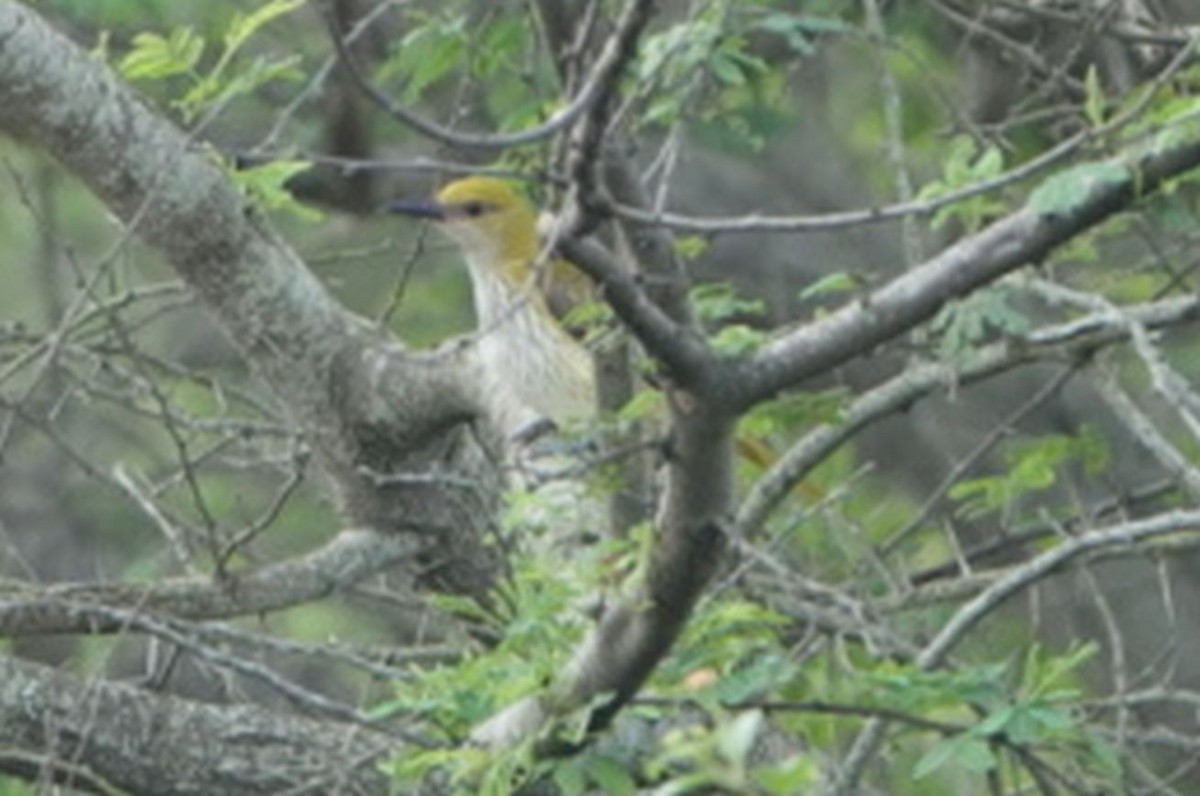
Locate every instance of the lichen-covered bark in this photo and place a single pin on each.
(368, 406)
(374, 412)
(93, 734)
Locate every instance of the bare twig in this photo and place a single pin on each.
(351, 556)
(1017, 579)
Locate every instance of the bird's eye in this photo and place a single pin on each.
(474, 209)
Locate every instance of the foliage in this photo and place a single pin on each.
(964, 325)
(830, 285)
(265, 185)
(1034, 466)
(454, 43)
(1067, 189)
(1040, 712)
(717, 303)
(705, 70)
(965, 165)
(795, 411)
(14, 787)
(813, 625)
(428, 52)
(157, 57)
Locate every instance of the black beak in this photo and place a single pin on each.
(418, 208)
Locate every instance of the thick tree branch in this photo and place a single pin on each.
(369, 408)
(82, 732)
(665, 280)
(638, 629)
(1026, 236)
(583, 157)
(656, 308)
(688, 360)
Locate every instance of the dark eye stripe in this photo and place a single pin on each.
(473, 209)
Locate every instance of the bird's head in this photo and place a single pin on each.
(492, 222)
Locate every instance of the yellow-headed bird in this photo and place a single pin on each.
(535, 368)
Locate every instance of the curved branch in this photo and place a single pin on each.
(1025, 575)
(602, 77)
(684, 353)
(1185, 523)
(828, 222)
(1074, 339)
(1024, 237)
(618, 50)
(918, 207)
(639, 627)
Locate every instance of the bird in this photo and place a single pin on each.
(536, 371)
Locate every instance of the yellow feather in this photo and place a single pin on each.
(527, 353)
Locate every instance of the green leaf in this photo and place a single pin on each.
(967, 323)
(726, 69)
(644, 404)
(718, 301)
(587, 315)
(837, 282)
(1035, 723)
(735, 740)
(1033, 466)
(996, 721)
(788, 27)
(1173, 123)
(507, 772)
(259, 73)
(569, 778)
(737, 339)
(465, 607)
(921, 692)
(440, 58)
(678, 49)
(265, 184)
(243, 26)
(663, 110)
(426, 54)
(755, 679)
(690, 247)
(964, 750)
(154, 57)
(787, 412)
(498, 49)
(609, 775)
(799, 29)
(965, 166)
(1102, 758)
(1043, 674)
(1061, 665)
(1063, 191)
(797, 774)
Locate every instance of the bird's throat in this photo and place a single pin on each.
(527, 354)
